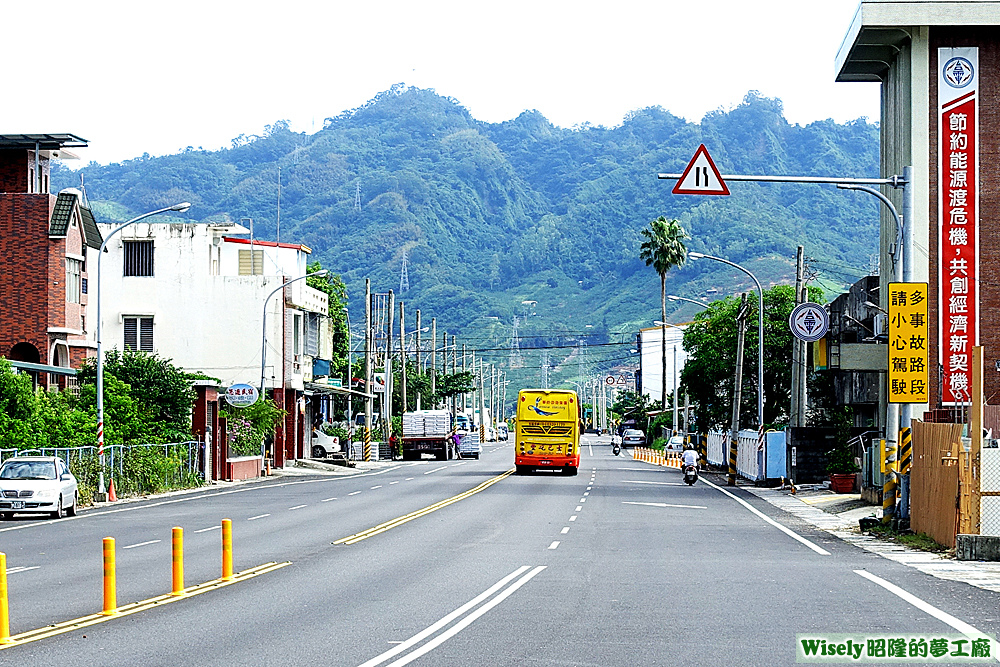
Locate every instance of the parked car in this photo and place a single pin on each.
(323, 445)
(37, 484)
(675, 443)
(502, 432)
(633, 438)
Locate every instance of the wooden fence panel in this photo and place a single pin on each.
(934, 480)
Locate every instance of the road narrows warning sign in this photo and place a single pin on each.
(701, 177)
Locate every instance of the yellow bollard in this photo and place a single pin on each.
(227, 549)
(4, 618)
(110, 589)
(177, 552)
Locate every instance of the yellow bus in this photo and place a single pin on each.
(547, 432)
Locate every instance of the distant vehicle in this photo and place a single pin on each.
(37, 484)
(633, 438)
(502, 432)
(675, 443)
(463, 422)
(323, 445)
(428, 431)
(547, 434)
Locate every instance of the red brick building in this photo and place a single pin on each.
(47, 243)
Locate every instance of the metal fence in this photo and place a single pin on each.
(749, 456)
(187, 454)
(718, 448)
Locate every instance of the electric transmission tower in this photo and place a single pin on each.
(515, 348)
(404, 276)
(357, 196)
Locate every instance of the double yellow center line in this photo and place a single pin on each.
(399, 521)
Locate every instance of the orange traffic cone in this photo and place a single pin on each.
(112, 498)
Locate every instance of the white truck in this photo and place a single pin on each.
(428, 431)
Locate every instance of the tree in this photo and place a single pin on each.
(161, 391)
(333, 286)
(663, 249)
(710, 342)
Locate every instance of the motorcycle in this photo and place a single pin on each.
(690, 474)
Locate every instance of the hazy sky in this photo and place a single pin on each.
(134, 77)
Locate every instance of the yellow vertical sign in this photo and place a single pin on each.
(908, 330)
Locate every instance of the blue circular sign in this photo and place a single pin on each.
(958, 72)
(809, 322)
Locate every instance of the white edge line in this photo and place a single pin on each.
(465, 622)
(423, 634)
(25, 568)
(435, 470)
(925, 607)
(788, 531)
(141, 544)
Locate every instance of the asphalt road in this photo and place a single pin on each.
(620, 565)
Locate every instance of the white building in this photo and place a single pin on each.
(651, 360)
(195, 293)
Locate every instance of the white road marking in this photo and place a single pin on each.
(589, 488)
(259, 516)
(435, 470)
(297, 507)
(795, 536)
(326, 500)
(689, 507)
(554, 545)
(354, 494)
(591, 448)
(586, 494)
(564, 530)
(578, 508)
(396, 482)
(573, 518)
(24, 568)
(583, 500)
(205, 530)
(925, 607)
(380, 486)
(409, 478)
(462, 463)
(437, 641)
(636, 481)
(140, 544)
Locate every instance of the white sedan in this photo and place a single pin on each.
(35, 484)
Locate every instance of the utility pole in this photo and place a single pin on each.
(741, 320)
(388, 370)
(482, 405)
(674, 428)
(454, 368)
(402, 354)
(420, 369)
(798, 347)
(434, 342)
(366, 454)
(463, 371)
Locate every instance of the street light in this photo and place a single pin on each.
(178, 208)
(674, 297)
(760, 330)
(263, 333)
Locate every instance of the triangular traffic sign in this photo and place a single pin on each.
(701, 177)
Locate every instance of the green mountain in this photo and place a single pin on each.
(493, 215)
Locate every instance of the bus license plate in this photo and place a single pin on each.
(17, 505)
(545, 463)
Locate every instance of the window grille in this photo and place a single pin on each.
(139, 333)
(138, 258)
(251, 264)
(73, 269)
(312, 334)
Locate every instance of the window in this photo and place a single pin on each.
(296, 342)
(139, 333)
(138, 258)
(251, 264)
(73, 284)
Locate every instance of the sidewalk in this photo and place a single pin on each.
(838, 515)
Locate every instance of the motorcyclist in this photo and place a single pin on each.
(689, 458)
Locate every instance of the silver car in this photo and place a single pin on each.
(36, 484)
(633, 438)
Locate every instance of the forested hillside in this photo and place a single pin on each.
(491, 215)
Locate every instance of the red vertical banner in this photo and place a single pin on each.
(958, 219)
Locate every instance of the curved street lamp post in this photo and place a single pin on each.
(178, 208)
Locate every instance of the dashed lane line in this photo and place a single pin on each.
(141, 544)
(573, 518)
(205, 530)
(554, 545)
(297, 507)
(564, 530)
(354, 494)
(259, 516)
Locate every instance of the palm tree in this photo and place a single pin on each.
(664, 249)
